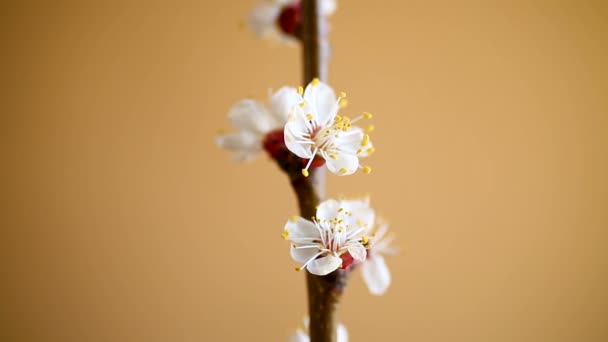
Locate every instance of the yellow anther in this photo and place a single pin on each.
(367, 115)
(342, 171)
(369, 128)
(333, 156)
(285, 235)
(309, 116)
(293, 245)
(305, 172)
(364, 240)
(338, 118)
(371, 150)
(340, 210)
(367, 170)
(315, 82)
(343, 103)
(298, 269)
(359, 223)
(295, 218)
(313, 218)
(365, 140)
(342, 94)
(300, 90)
(359, 151)
(302, 104)
(374, 234)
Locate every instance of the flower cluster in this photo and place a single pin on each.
(312, 129)
(343, 234)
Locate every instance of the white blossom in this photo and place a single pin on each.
(335, 232)
(255, 121)
(374, 270)
(314, 128)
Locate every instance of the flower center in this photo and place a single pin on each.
(289, 19)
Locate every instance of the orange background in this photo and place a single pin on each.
(126, 223)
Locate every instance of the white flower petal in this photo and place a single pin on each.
(350, 142)
(294, 140)
(328, 209)
(358, 252)
(245, 156)
(324, 265)
(376, 274)
(299, 336)
(302, 255)
(283, 101)
(342, 333)
(366, 150)
(328, 7)
(251, 116)
(301, 229)
(321, 99)
(242, 141)
(263, 18)
(344, 165)
(362, 217)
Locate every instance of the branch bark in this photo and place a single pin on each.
(323, 292)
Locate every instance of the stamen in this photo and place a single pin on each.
(369, 128)
(365, 140)
(367, 115)
(315, 82)
(342, 94)
(367, 170)
(309, 116)
(300, 90)
(285, 235)
(342, 171)
(343, 103)
(302, 104)
(305, 170)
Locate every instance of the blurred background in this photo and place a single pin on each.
(124, 221)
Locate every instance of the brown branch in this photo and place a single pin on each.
(323, 292)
